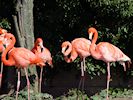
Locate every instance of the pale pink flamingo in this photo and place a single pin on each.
(20, 58)
(78, 47)
(44, 54)
(106, 52)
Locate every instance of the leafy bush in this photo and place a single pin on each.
(118, 93)
(4, 23)
(94, 67)
(23, 95)
(74, 94)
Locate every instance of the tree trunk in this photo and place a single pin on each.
(23, 21)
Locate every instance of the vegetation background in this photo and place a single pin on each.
(60, 20)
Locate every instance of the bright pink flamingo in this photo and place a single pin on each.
(44, 54)
(106, 52)
(2, 48)
(78, 47)
(19, 57)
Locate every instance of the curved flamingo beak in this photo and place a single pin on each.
(52, 66)
(90, 35)
(63, 50)
(50, 63)
(129, 63)
(41, 45)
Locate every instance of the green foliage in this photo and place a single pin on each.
(4, 23)
(73, 94)
(120, 7)
(33, 96)
(93, 67)
(71, 9)
(114, 93)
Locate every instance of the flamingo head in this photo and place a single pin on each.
(39, 44)
(64, 46)
(3, 31)
(91, 31)
(6, 40)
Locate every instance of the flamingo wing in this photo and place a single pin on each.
(109, 52)
(22, 56)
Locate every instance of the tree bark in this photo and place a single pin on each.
(23, 21)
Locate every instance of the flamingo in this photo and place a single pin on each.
(43, 53)
(2, 48)
(20, 58)
(106, 52)
(79, 46)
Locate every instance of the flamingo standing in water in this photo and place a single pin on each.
(44, 54)
(78, 47)
(20, 58)
(106, 52)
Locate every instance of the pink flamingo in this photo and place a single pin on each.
(19, 57)
(79, 46)
(44, 54)
(106, 52)
(2, 48)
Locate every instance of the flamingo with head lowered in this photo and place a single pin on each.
(44, 54)
(106, 52)
(78, 47)
(20, 58)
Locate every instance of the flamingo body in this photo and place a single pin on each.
(19, 57)
(79, 46)
(82, 46)
(106, 52)
(42, 51)
(44, 54)
(109, 53)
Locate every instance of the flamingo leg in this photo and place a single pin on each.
(80, 82)
(108, 79)
(124, 66)
(1, 71)
(82, 68)
(28, 83)
(40, 83)
(18, 84)
(84, 64)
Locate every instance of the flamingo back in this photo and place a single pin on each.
(82, 46)
(23, 57)
(110, 53)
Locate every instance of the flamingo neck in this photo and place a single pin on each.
(3, 57)
(95, 37)
(93, 50)
(72, 57)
